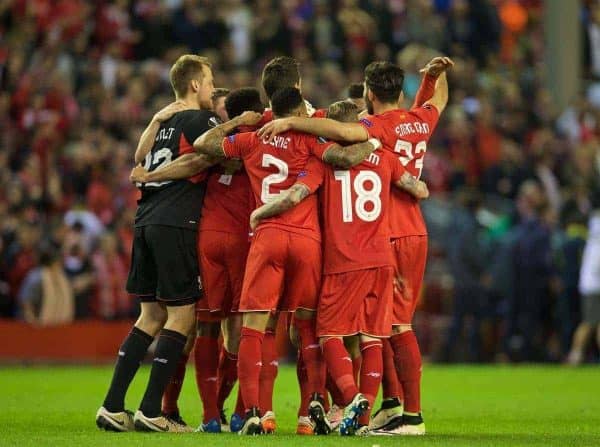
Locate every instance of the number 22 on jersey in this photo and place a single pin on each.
(363, 195)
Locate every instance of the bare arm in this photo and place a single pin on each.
(284, 201)
(211, 142)
(322, 127)
(440, 95)
(347, 156)
(181, 168)
(149, 134)
(414, 187)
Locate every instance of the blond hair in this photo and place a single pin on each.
(186, 68)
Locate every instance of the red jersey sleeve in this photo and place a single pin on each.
(317, 146)
(237, 145)
(427, 113)
(370, 126)
(313, 174)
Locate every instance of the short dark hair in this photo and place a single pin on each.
(385, 80)
(284, 101)
(219, 93)
(279, 73)
(344, 111)
(356, 90)
(243, 99)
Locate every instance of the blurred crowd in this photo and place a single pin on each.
(514, 179)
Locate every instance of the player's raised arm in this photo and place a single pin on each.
(440, 95)
(411, 185)
(149, 134)
(322, 127)
(284, 201)
(431, 72)
(181, 168)
(211, 142)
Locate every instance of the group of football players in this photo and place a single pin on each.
(249, 215)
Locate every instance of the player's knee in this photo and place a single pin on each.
(256, 320)
(153, 317)
(294, 336)
(180, 318)
(305, 314)
(401, 328)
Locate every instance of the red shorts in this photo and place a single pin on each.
(222, 258)
(283, 272)
(410, 253)
(356, 302)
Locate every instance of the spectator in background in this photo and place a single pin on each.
(532, 273)
(46, 297)
(589, 286)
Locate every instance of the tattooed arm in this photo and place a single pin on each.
(284, 201)
(211, 142)
(182, 167)
(414, 187)
(347, 156)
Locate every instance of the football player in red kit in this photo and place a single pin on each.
(405, 133)
(284, 264)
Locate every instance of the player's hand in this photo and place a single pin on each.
(138, 174)
(170, 110)
(398, 284)
(437, 66)
(254, 220)
(275, 127)
(249, 118)
(423, 190)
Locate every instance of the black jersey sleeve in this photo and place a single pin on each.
(198, 123)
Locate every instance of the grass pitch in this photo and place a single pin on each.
(463, 405)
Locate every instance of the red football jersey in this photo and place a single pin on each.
(355, 207)
(406, 133)
(312, 112)
(228, 203)
(274, 167)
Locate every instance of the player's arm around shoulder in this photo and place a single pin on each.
(182, 167)
(284, 201)
(417, 188)
(321, 127)
(211, 141)
(346, 157)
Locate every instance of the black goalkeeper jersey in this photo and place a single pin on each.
(175, 203)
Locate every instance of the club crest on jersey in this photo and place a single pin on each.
(366, 122)
(213, 121)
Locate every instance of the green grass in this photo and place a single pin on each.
(463, 405)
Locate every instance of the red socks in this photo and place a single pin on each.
(206, 358)
(249, 366)
(409, 365)
(370, 374)
(311, 354)
(268, 372)
(303, 382)
(173, 390)
(339, 365)
(336, 394)
(390, 383)
(227, 374)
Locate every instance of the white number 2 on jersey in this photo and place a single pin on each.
(161, 158)
(364, 195)
(277, 177)
(405, 149)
